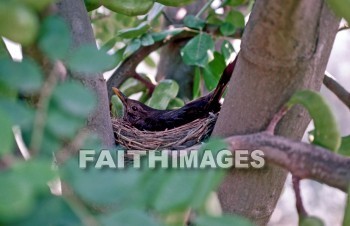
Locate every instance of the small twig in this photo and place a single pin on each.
(20, 143)
(71, 148)
(149, 85)
(337, 89)
(275, 120)
(298, 200)
(205, 7)
(57, 72)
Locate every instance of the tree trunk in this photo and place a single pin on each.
(74, 12)
(285, 48)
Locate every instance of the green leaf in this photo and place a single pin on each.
(150, 62)
(175, 3)
(156, 10)
(135, 31)
(227, 50)
(132, 86)
(25, 76)
(158, 36)
(17, 199)
(117, 108)
(173, 196)
(197, 50)
(75, 99)
(196, 83)
(341, 8)
(163, 93)
(55, 37)
(344, 148)
(130, 7)
(147, 40)
(227, 29)
(63, 125)
(210, 177)
(226, 220)
(129, 217)
(4, 53)
(310, 221)
(36, 172)
(50, 210)
(133, 45)
(236, 18)
(118, 56)
(194, 22)
(235, 2)
(6, 135)
(88, 59)
(19, 112)
(101, 186)
(326, 129)
(176, 103)
(346, 220)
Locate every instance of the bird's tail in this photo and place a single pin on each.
(225, 78)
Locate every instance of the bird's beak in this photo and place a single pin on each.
(121, 96)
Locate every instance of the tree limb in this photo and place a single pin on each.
(337, 89)
(303, 160)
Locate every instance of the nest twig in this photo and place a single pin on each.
(175, 139)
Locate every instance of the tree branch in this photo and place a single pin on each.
(303, 160)
(337, 89)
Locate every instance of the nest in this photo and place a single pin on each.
(175, 139)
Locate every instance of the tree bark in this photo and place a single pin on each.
(74, 12)
(285, 48)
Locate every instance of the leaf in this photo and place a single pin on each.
(193, 22)
(55, 37)
(4, 53)
(6, 135)
(236, 18)
(25, 76)
(165, 91)
(173, 196)
(176, 103)
(235, 2)
(63, 125)
(50, 210)
(129, 7)
(36, 172)
(133, 45)
(150, 62)
(197, 49)
(132, 86)
(129, 217)
(135, 31)
(118, 56)
(310, 221)
(88, 59)
(196, 83)
(117, 108)
(101, 186)
(156, 10)
(210, 177)
(227, 50)
(341, 8)
(147, 40)
(227, 29)
(346, 220)
(344, 148)
(326, 129)
(75, 99)
(17, 199)
(19, 112)
(175, 3)
(226, 220)
(159, 36)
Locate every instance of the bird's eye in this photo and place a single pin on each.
(134, 108)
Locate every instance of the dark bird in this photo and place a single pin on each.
(146, 118)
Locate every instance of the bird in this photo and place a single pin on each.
(144, 117)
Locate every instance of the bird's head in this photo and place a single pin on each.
(134, 111)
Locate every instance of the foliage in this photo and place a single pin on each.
(44, 111)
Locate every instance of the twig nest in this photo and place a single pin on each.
(175, 139)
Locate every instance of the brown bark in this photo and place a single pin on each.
(74, 12)
(285, 47)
